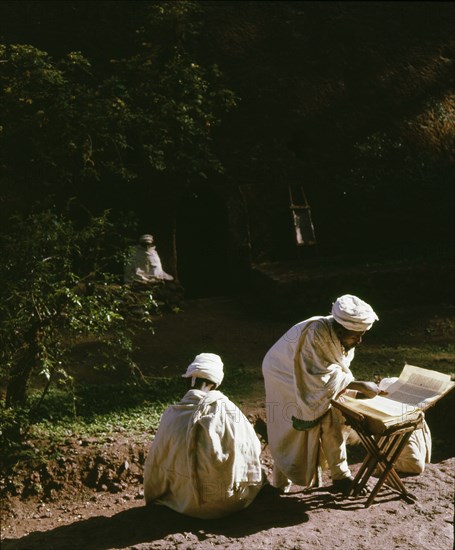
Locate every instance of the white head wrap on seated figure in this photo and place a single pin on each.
(206, 365)
(353, 313)
(146, 239)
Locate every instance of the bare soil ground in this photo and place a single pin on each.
(92, 495)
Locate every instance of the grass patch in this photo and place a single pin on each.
(98, 411)
(92, 409)
(372, 362)
(95, 411)
(237, 382)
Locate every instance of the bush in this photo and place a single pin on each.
(56, 287)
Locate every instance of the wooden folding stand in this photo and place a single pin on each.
(383, 447)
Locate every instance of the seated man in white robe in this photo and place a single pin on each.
(205, 458)
(144, 265)
(306, 368)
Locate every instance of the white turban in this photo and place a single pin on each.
(146, 239)
(208, 366)
(353, 313)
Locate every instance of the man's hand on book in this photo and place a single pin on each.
(367, 389)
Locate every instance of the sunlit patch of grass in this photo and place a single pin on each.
(131, 421)
(388, 361)
(238, 382)
(103, 411)
(99, 410)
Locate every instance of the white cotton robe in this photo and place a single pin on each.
(303, 371)
(205, 459)
(144, 266)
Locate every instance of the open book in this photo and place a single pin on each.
(415, 391)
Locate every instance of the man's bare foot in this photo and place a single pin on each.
(344, 486)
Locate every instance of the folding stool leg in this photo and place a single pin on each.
(389, 470)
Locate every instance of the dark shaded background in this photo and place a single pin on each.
(352, 100)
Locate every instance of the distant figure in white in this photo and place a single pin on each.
(144, 265)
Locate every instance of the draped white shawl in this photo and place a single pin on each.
(321, 369)
(302, 372)
(205, 458)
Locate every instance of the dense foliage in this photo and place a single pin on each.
(68, 126)
(57, 285)
(111, 104)
(74, 129)
(352, 100)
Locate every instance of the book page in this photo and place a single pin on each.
(380, 407)
(419, 387)
(415, 390)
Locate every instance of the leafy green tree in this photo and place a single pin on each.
(68, 128)
(44, 135)
(72, 130)
(56, 287)
(179, 100)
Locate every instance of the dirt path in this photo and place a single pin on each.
(78, 518)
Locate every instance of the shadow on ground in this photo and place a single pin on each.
(154, 523)
(147, 524)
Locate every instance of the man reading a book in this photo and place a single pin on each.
(306, 368)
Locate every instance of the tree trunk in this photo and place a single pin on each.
(16, 390)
